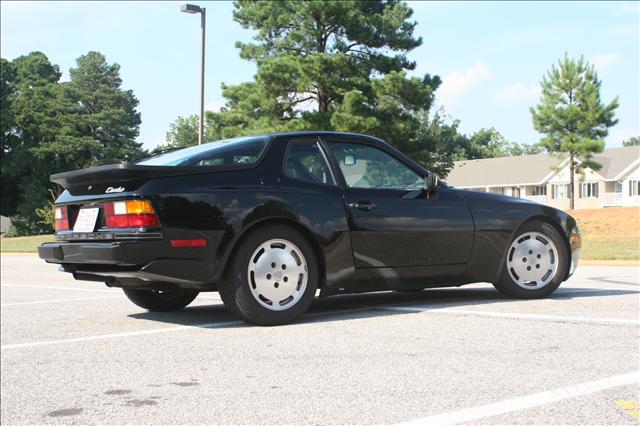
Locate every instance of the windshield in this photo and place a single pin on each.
(244, 150)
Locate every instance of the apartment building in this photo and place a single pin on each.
(545, 178)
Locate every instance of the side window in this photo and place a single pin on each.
(226, 152)
(247, 154)
(305, 161)
(365, 166)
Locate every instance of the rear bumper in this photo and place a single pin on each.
(131, 263)
(111, 253)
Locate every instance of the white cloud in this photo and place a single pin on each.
(214, 106)
(457, 81)
(602, 61)
(516, 93)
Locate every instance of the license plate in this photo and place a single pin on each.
(86, 220)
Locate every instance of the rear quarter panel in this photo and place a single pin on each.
(224, 207)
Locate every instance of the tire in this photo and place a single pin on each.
(263, 294)
(535, 263)
(164, 301)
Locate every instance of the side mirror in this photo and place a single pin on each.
(431, 183)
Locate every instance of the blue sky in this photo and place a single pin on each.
(491, 56)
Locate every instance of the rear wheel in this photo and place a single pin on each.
(159, 300)
(272, 278)
(535, 264)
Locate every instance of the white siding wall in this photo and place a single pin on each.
(627, 199)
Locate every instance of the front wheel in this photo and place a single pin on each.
(272, 278)
(535, 264)
(161, 301)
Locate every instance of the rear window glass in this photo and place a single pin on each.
(221, 153)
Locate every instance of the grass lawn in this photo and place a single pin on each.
(607, 234)
(23, 244)
(612, 233)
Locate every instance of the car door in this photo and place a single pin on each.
(393, 221)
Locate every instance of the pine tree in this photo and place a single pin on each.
(103, 123)
(183, 132)
(327, 65)
(572, 116)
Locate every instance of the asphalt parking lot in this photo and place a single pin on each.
(80, 353)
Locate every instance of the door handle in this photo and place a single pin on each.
(362, 205)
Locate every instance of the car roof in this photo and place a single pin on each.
(352, 136)
(323, 133)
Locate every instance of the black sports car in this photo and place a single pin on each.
(268, 220)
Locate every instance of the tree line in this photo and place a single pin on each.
(322, 65)
(50, 126)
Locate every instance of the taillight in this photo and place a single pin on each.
(129, 214)
(61, 218)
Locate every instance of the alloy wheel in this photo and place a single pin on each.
(277, 274)
(532, 260)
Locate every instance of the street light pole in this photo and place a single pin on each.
(203, 24)
(192, 8)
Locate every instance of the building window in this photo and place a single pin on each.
(634, 188)
(588, 190)
(619, 187)
(540, 190)
(560, 192)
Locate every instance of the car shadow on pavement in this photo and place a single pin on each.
(350, 306)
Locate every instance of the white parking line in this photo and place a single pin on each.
(509, 315)
(528, 401)
(594, 290)
(59, 300)
(51, 287)
(125, 334)
(159, 330)
(201, 297)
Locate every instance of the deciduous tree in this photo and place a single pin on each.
(632, 141)
(183, 132)
(9, 191)
(438, 142)
(36, 106)
(488, 143)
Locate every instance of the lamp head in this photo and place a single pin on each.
(190, 8)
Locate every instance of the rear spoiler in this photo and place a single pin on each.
(115, 174)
